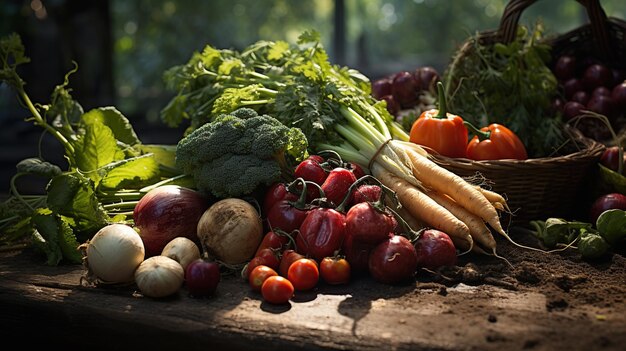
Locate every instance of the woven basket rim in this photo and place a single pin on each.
(588, 149)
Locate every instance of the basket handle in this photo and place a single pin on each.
(597, 18)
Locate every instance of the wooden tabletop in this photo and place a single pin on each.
(42, 304)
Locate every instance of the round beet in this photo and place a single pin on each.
(602, 104)
(393, 261)
(572, 109)
(618, 94)
(381, 87)
(565, 67)
(597, 75)
(435, 249)
(404, 89)
(571, 86)
(580, 96)
(426, 78)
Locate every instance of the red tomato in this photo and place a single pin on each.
(277, 192)
(366, 192)
(337, 183)
(335, 270)
(289, 257)
(267, 257)
(311, 170)
(258, 276)
(303, 274)
(273, 240)
(286, 215)
(357, 254)
(356, 169)
(316, 158)
(367, 224)
(277, 290)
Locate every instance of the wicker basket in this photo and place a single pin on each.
(551, 186)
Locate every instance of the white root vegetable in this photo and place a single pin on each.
(230, 231)
(181, 250)
(114, 253)
(159, 276)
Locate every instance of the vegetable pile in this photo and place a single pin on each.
(290, 171)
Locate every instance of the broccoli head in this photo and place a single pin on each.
(236, 153)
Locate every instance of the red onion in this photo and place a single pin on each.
(167, 212)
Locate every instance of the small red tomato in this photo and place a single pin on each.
(366, 192)
(289, 257)
(273, 240)
(356, 169)
(267, 257)
(303, 274)
(258, 276)
(277, 290)
(335, 270)
(316, 158)
(311, 170)
(277, 192)
(337, 183)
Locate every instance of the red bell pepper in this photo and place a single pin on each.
(321, 234)
(439, 130)
(495, 142)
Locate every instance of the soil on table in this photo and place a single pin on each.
(572, 286)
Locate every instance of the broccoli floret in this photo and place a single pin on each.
(238, 152)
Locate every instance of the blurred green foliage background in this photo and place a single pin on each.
(123, 47)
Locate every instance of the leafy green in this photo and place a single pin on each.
(108, 171)
(116, 121)
(54, 236)
(294, 83)
(509, 84)
(591, 242)
(37, 166)
(612, 225)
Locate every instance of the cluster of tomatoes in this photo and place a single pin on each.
(323, 226)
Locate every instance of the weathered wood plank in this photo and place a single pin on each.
(49, 304)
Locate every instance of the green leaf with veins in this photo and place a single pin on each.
(73, 195)
(96, 148)
(134, 173)
(54, 236)
(111, 117)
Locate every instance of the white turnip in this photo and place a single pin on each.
(181, 250)
(114, 253)
(159, 276)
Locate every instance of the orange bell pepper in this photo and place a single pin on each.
(439, 130)
(495, 142)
